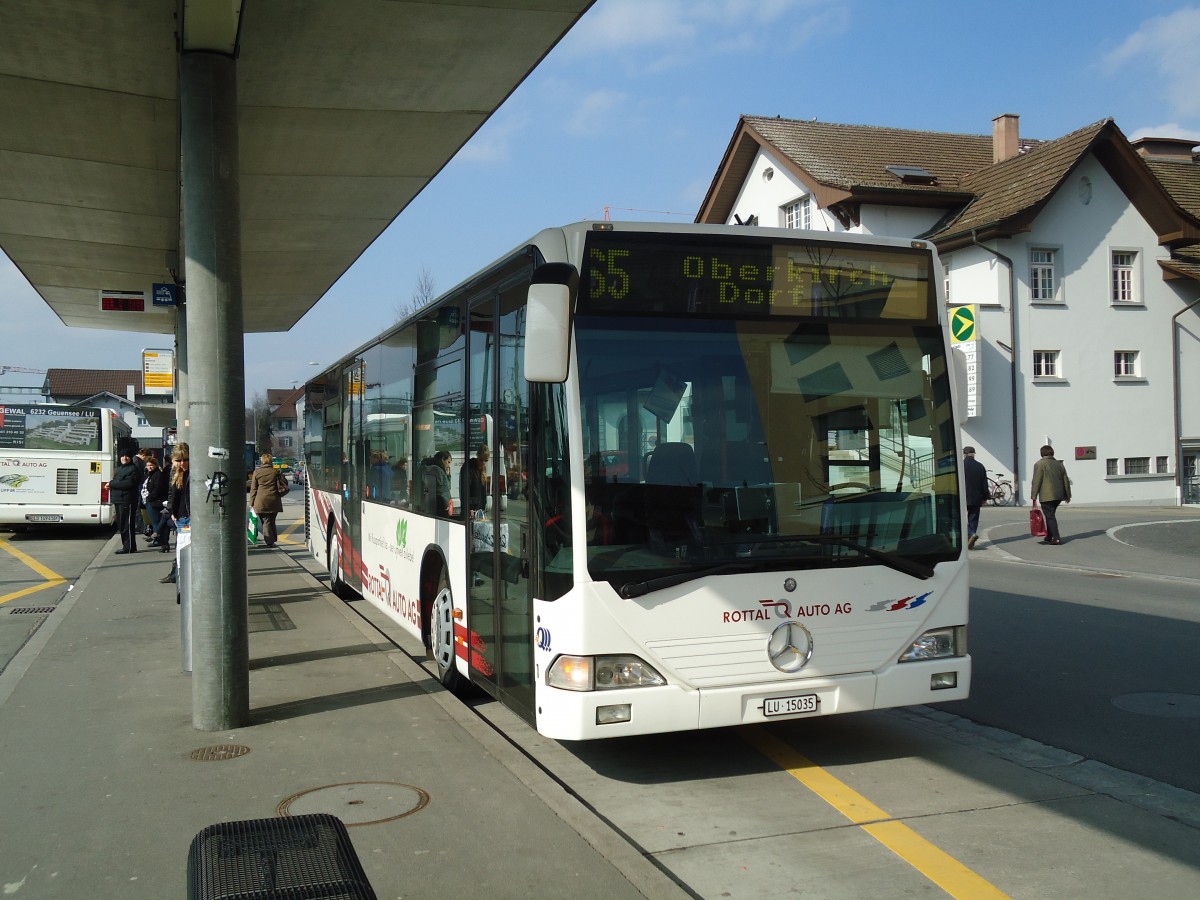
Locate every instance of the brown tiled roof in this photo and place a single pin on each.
(282, 401)
(857, 156)
(1182, 181)
(1184, 262)
(847, 165)
(1021, 185)
(89, 382)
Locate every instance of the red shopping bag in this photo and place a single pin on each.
(1037, 522)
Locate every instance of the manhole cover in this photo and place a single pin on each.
(1170, 706)
(219, 752)
(358, 802)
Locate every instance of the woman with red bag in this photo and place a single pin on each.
(1051, 486)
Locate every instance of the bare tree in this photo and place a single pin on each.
(258, 424)
(423, 294)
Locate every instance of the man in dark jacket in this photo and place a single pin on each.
(975, 486)
(124, 490)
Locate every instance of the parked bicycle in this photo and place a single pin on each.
(1000, 490)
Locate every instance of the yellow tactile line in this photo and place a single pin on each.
(935, 864)
(52, 577)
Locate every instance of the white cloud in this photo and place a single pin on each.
(590, 112)
(1170, 130)
(1167, 45)
(492, 143)
(685, 30)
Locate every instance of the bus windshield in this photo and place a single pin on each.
(768, 443)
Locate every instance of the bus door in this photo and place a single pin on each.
(354, 467)
(500, 599)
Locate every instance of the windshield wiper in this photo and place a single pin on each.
(639, 588)
(891, 560)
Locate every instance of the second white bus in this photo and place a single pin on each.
(56, 462)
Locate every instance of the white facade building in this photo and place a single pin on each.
(1080, 258)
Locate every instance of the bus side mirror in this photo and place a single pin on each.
(548, 324)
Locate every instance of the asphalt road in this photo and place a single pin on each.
(1101, 665)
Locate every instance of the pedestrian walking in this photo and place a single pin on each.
(975, 487)
(1051, 486)
(124, 489)
(267, 487)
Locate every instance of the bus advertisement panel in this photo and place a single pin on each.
(740, 504)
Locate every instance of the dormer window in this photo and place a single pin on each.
(912, 174)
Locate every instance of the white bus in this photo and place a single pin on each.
(731, 469)
(56, 462)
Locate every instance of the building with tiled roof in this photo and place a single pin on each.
(286, 438)
(1080, 257)
(119, 389)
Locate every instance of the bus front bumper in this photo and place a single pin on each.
(567, 715)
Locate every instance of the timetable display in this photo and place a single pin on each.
(681, 275)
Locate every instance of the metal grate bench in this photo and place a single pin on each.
(289, 858)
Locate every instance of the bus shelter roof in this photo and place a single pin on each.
(346, 110)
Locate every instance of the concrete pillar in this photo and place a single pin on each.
(216, 389)
(181, 375)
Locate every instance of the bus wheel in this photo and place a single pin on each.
(333, 559)
(441, 635)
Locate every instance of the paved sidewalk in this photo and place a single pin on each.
(1157, 542)
(102, 794)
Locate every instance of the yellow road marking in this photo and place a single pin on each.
(935, 864)
(283, 537)
(52, 577)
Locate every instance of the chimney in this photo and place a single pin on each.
(1005, 137)
(1176, 149)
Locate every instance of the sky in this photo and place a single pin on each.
(632, 111)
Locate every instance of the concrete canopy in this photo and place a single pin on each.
(346, 110)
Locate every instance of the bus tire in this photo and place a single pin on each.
(441, 635)
(333, 561)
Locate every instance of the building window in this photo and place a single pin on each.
(285, 443)
(1045, 364)
(1137, 465)
(1160, 465)
(285, 425)
(946, 277)
(798, 214)
(1124, 280)
(1125, 364)
(1043, 283)
(1110, 466)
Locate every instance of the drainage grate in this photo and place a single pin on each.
(219, 753)
(33, 610)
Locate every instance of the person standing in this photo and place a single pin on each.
(155, 491)
(975, 486)
(473, 489)
(266, 497)
(124, 489)
(139, 460)
(1051, 486)
(179, 500)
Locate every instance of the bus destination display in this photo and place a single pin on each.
(631, 273)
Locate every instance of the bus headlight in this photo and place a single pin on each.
(601, 673)
(938, 643)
